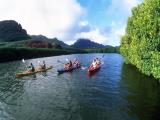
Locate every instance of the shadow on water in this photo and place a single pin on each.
(143, 94)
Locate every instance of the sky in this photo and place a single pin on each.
(102, 21)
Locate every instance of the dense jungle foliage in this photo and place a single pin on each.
(140, 45)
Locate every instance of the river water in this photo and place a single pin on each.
(116, 92)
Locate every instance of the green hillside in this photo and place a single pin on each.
(12, 31)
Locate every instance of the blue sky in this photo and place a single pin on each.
(102, 21)
(96, 11)
(107, 19)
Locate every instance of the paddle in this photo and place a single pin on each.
(102, 62)
(83, 68)
(60, 61)
(24, 62)
(38, 62)
(67, 60)
(102, 56)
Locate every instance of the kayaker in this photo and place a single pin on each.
(43, 66)
(68, 65)
(32, 69)
(93, 63)
(76, 62)
(98, 62)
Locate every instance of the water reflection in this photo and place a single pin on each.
(143, 94)
(44, 74)
(92, 74)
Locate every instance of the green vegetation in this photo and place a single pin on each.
(17, 50)
(141, 44)
(10, 53)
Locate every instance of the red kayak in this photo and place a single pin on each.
(94, 69)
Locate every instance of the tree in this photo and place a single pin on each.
(57, 46)
(140, 45)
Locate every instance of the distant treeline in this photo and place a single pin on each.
(18, 53)
(11, 54)
(103, 50)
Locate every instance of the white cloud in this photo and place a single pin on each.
(115, 36)
(83, 23)
(122, 7)
(53, 18)
(120, 11)
(127, 5)
(109, 35)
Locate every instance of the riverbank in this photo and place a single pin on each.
(19, 53)
(12, 54)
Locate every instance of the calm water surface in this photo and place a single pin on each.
(116, 92)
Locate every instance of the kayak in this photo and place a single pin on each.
(27, 73)
(61, 71)
(94, 69)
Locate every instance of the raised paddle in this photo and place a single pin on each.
(38, 62)
(102, 56)
(60, 61)
(83, 68)
(24, 63)
(67, 60)
(23, 60)
(63, 62)
(102, 62)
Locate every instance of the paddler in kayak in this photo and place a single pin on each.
(31, 68)
(98, 62)
(68, 65)
(94, 63)
(43, 65)
(76, 63)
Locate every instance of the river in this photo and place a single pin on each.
(116, 92)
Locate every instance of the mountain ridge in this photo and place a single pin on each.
(12, 31)
(83, 43)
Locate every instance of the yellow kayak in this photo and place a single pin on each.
(26, 73)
